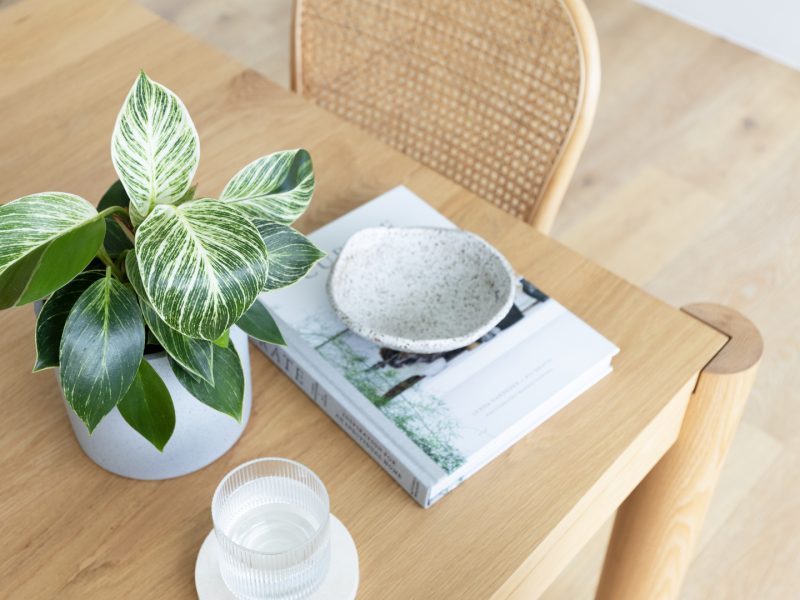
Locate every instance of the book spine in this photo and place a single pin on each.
(345, 419)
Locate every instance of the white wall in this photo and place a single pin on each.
(769, 27)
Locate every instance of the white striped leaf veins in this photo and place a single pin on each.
(53, 315)
(32, 263)
(155, 148)
(101, 348)
(276, 187)
(194, 355)
(202, 264)
(291, 254)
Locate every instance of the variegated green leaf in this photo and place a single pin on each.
(202, 265)
(259, 324)
(45, 240)
(227, 393)
(291, 254)
(276, 187)
(192, 354)
(154, 147)
(147, 407)
(101, 349)
(53, 315)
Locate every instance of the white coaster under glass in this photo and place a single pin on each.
(341, 582)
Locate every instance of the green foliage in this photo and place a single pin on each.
(259, 324)
(45, 241)
(152, 264)
(199, 278)
(291, 254)
(276, 187)
(53, 315)
(227, 393)
(116, 240)
(223, 340)
(101, 349)
(194, 355)
(147, 406)
(155, 148)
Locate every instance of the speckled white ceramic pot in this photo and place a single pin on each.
(201, 434)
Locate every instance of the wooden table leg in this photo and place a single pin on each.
(657, 526)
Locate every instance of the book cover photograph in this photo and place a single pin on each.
(411, 389)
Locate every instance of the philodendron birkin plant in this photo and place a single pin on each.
(155, 268)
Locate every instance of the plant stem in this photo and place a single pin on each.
(112, 210)
(124, 226)
(103, 255)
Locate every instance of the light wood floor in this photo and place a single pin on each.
(688, 187)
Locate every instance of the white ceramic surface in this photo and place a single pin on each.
(201, 434)
(341, 583)
(420, 289)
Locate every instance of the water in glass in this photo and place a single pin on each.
(271, 519)
(256, 523)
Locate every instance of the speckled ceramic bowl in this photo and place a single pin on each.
(420, 289)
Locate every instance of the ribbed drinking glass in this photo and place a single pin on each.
(271, 519)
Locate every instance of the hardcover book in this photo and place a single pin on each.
(432, 420)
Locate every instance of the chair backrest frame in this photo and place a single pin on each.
(545, 208)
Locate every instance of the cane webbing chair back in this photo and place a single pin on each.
(498, 95)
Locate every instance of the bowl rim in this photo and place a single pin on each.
(424, 345)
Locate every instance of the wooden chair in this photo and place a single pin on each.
(499, 95)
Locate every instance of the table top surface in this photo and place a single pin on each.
(71, 530)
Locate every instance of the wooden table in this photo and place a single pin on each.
(68, 529)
